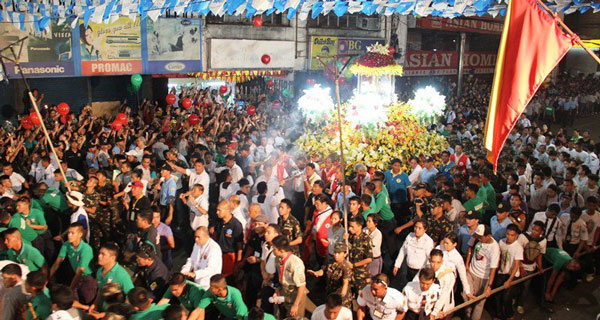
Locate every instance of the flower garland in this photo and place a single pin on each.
(376, 62)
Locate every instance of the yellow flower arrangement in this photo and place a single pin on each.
(402, 137)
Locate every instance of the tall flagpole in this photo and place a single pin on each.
(15, 60)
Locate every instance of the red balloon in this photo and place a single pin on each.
(276, 104)
(63, 109)
(116, 125)
(265, 59)
(391, 51)
(26, 123)
(65, 119)
(122, 118)
(258, 21)
(171, 98)
(251, 110)
(35, 119)
(186, 103)
(223, 89)
(270, 83)
(194, 119)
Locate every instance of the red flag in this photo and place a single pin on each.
(532, 44)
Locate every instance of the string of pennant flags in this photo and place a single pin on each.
(36, 14)
(236, 75)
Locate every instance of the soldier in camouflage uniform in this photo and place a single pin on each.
(107, 216)
(437, 224)
(290, 227)
(338, 274)
(360, 254)
(91, 199)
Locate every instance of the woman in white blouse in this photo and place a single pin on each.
(454, 260)
(376, 265)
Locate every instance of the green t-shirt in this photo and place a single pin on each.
(29, 256)
(35, 204)
(78, 258)
(116, 274)
(36, 216)
(557, 257)
(382, 205)
(232, 306)
(154, 312)
(474, 204)
(490, 196)
(368, 212)
(20, 222)
(54, 199)
(549, 110)
(190, 298)
(42, 305)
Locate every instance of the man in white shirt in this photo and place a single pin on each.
(235, 170)
(415, 249)
(591, 217)
(197, 200)
(17, 180)
(532, 259)
(511, 255)
(415, 176)
(550, 222)
(482, 261)
(383, 302)
(206, 259)
(422, 295)
(332, 309)
(197, 175)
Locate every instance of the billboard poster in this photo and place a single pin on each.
(322, 47)
(111, 48)
(45, 54)
(429, 63)
(356, 46)
(173, 45)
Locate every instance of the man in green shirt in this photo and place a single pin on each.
(561, 264)
(228, 300)
(80, 256)
(382, 201)
(367, 208)
(474, 203)
(110, 271)
(50, 198)
(140, 299)
(22, 252)
(40, 301)
(28, 221)
(187, 292)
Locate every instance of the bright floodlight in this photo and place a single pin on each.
(367, 108)
(315, 103)
(428, 104)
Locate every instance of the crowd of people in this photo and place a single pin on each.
(226, 219)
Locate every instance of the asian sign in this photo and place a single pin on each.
(429, 63)
(461, 25)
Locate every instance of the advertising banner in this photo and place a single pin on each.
(429, 63)
(330, 46)
(322, 47)
(227, 54)
(111, 48)
(44, 54)
(174, 45)
(461, 25)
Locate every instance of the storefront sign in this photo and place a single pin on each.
(426, 63)
(173, 45)
(44, 54)
(461, 25)
(324, 47)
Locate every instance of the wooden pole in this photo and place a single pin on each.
(569, 31)
(37, 111)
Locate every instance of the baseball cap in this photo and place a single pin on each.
(131, 153)
(473, 215)
(137, 184)
(483, 230)
(429, 159)
(503, 207)
(340, 247)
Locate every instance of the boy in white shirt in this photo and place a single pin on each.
(332, 309)
(511, 255)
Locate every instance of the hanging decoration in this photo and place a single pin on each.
(171, 99)
(63, 108)
(258, 21)
(265, 59)
(186, 103)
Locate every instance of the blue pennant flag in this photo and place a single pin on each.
(341, 8)
(317, 7)
(87, 14)
(250, 11)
